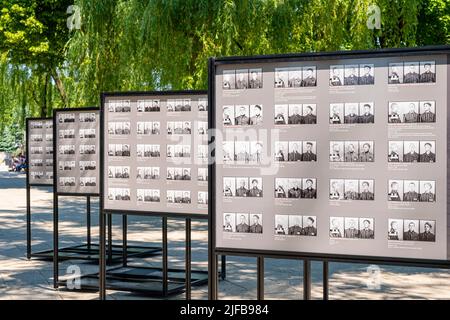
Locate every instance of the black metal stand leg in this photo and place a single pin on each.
(28, 222)
(165, 263)
(88, 222)
(124, 240)
(55, 242)
(306, 280)
(102, 256)
(188, 259)
(260, 275)
(223, 264)
(110, 244)
(325, 281)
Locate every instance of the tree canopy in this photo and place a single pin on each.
(157, 44)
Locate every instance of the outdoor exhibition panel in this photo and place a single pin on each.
(332, 156)
(40, 152)
(154, 162)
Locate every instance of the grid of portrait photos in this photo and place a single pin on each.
(40, 151)
(119, 150)
(412, 230)
(242, 79)
(295, 188)
(119, 172)
(412, 72)
(148, 105)
(179, 196)
(242, 187)
(352, 227)
(352, 75)
(352, 113)
(242, 115)
(148, 195)
(352, 189)
(291, 114)
(412, 190)
(178, 174)
(178, 151)
(119, 194)
(146, 128)
(242, 152)
(243, 223)
(295, 225)
(88, 165)
(402, 112)
(293, 151)
(296, 77)
(179, 105)
(119, 128)
(119, 106)
(148, 173)
(352, 151)
(412, 151)
(148, 150)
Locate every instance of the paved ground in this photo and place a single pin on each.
(23, 279)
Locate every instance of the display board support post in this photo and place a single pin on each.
(124, 240)
(55, 241)
(165, 262)
(306, 279)
(88, 221)
(223, 265)
(102, 256)
(110, 245)
(28, 220)
(188, 258)
(325, 280)
(260, 276)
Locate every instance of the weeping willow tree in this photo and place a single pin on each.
(159, 44)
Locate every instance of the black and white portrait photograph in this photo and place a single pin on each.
(242, 115)
(242, 152)
(427, 191)
(281, 187)
(309, 151)
(242, 187)
(256, 151)
(202, 105)
(229, 187)
(366, 228)
(309, 188)
(336, 227)
(202, 127)
(427, 230)
(336, 151)
(256, 223)
(309, 226)
(366, 151)
(281, 77)
(202, 152)
(281, 114)
(242, 79)
(366, 189)
(427, 111)
(256, 114)
(351, 228)
(87, 117)
(229, 222)
(309, 76)
(88, 182)
(295, 190)
(395, 151)
(366, 112)
(336, 189)
(351, 75)
(228, 151)
(395, 190)
(39, 163)
(309, 113)
(202, 197)
(336, 113)
(229, 79)
(255, 80)
(202, 174)
(295, 224)
(427, 71)
(351, 189)
(336, 75)
(295, 150)
(242, 223)
(410, 112)
(351, 113)
(228, 115)
(67, 182)
(366, 74)
(256, 187)
(395, 75)
(295, 77)
(395, 113)
(411, 72)
(295, 114)
(281, 225)
(281, 151)
(427, 151)
(411, 151)
(119, 194)
(411, 191)
(351, 149)
(395, 229)
(410, 230)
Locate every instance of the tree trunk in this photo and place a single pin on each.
(44, 109)
(60, 87)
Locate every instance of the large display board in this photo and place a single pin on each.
(77, 154)
(40, 151)
(339, 154)
(155, 152)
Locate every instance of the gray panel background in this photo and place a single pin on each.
(380, 132)
(47, 129)
(77, 157)
(163, 139)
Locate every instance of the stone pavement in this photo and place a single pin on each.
(24, 279)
